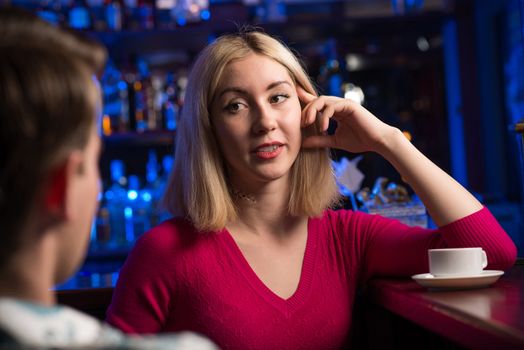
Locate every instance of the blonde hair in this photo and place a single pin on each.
(198, 185)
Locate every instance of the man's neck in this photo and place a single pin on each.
(28, 275)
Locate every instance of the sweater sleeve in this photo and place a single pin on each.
(143, 295)
(390, 248)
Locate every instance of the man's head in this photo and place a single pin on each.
(49, 102)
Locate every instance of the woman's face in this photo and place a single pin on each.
(256, 115)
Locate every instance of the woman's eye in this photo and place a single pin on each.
(234, 107)
(279, 98)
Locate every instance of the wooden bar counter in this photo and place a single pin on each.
(485, 318)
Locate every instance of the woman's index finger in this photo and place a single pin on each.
(304, 96)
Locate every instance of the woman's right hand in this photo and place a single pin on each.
(357, 130)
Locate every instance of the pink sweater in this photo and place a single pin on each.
(177, 279)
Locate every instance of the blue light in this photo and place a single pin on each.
(122, 85)
(110, 195)
(95, 280)
(146, 196)
(181, 21)
(132, 195)
(114, 278)
(128, 213)
(205, 15)
(344, 191)
(171, 124)
(151, 175)
(79, 18)
(49, 16)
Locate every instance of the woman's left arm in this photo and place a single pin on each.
(445, 199)
(457, 212)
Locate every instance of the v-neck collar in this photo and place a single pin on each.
(289, 305)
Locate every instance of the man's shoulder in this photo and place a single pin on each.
(33, 326)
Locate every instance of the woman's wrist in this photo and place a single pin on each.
(390, 141)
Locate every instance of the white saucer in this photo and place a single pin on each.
(486, 278)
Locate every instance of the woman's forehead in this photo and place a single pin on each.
(253, 68)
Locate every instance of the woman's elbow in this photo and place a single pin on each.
(504, 259)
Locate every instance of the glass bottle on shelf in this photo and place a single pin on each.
(139, 14)
(157, 100)
(137, 210)
(167, 165)
(153, 188)
(146, 10)
(140, 102)
(115, 198)
(147, 95)
(170, 106)
(332, 72)
(49, 10)
(164, 14)
(113, 15)
(80, 15)
(97, 9)
(102, 229)
(131, 15)
(189, 11)
(116, 102)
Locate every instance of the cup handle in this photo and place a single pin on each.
(484, 259)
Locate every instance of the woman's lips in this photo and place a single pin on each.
(268, 151)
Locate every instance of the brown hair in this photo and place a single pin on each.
(198, 185)
(48, 103)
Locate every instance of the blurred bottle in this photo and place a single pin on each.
(153, 186)
(116, 198)
(167, 166)
(115, 95)
(140, 101)
(50, 10)
(113, 14)
(138, 210)
(181, 89)
(132, 19)
(130, 77)
(97, 9)
(190, 11)
(157, 99)
(79, 15)
(170, 106)
(146, 16)
(163, 17)
(147, 95)
(102, 229)
(140, 14)
(332, 71)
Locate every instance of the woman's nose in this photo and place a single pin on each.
(264, 120)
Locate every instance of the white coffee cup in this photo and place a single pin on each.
(452, 262)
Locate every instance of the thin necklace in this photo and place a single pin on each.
(242, 195)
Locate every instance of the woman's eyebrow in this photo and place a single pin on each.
(277, 83)
(233, 89)
(244, 92)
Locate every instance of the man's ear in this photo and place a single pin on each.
(59, 186)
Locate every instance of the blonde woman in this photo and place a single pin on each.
(254, 258)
